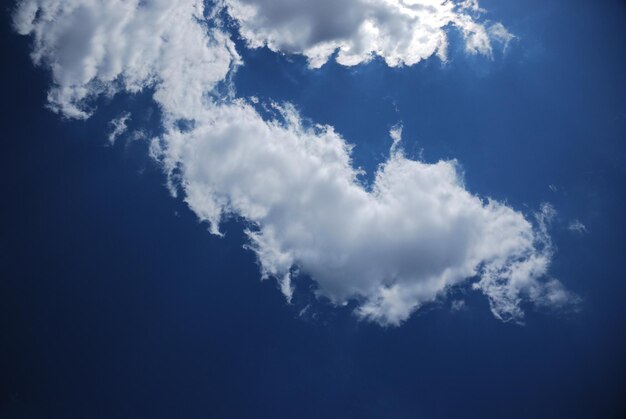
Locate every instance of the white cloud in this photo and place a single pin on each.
(577, 227)
(118, 126)
(403, 243)
(458, 305)
(98, 47)
(505, 286)
(498, 32)
(402, 32)
(392, 247)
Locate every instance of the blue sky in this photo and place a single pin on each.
(118, 302)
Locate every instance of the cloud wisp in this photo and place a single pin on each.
(392, 246)
(118, 126)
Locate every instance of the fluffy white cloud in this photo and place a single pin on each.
(506, 286)
(402, 32)
(392, 246)
(98, 47)
(402, 243)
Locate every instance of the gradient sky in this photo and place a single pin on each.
(116, 302)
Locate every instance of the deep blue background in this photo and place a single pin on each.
(116, 303)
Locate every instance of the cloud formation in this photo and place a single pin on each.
(402, 32)
(95, 47)
(392, 246)
(403, 243)
(118, 126)
(577, 227)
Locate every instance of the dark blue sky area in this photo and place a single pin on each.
(116, 303)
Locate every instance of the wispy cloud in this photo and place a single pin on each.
(118, 126)
(577, 227)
